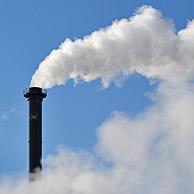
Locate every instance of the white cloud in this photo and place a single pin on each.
(5, 115)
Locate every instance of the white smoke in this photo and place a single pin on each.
(145, 43)
(150, 153)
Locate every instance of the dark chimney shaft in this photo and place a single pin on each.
(35, 97)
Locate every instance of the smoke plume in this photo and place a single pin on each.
(151, 152)
(145, 43)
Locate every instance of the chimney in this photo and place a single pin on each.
(35, 97)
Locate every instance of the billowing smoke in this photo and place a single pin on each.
(151, 152)
(145, 43)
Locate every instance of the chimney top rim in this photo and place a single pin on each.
(35, 91)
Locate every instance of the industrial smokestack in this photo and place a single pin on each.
(35, 97)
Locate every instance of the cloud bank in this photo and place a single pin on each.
(150, 153)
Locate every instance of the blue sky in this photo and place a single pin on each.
(29, 30)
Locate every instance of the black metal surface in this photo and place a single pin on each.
(35, 97)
